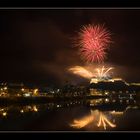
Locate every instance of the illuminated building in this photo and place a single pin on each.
(96, 80)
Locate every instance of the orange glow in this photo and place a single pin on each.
(103, 121)
(81, 71)
(99, 119)
(82, 122)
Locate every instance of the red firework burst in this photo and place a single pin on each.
(94, 41)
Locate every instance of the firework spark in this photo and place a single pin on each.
(103, 72)
(99, 73)
(93, 40)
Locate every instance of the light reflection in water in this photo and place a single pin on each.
(103, 121)
(3, 112)
(23, 109)
(35, 108)
(82, 122)
(97, 119)
(28, 108)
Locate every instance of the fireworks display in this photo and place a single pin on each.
(99, 73)
(93, 42)
(103, 72)
(81, 71)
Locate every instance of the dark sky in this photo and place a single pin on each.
(36, 45)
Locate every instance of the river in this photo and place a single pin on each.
(104, 114)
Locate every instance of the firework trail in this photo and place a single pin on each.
(99, 73)
(81, 71)
(93, 42)
(103, 72)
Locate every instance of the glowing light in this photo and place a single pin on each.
(22, 111)
(18, 95)
(58, 106)
(1, 109)
(135, 84)
(5, 88)
(106, 93)
(35, 108)
(103, 121)
(93, 80)
(116, 113)
(22, 89)
(103, 72)
(106, 100)
(95, 76)
(99, 118)
(93, 42)
(27, 94)
(4, 113)
(35, 91)
(81, 71)
(82, 122)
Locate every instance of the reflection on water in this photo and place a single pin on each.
(84, 115)
(103, 121)
(82, 122)
(97, 119)
(100, 119)
(3, 112)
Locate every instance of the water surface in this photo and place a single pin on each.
(103, 114)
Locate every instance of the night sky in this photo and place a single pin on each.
(36, 45)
